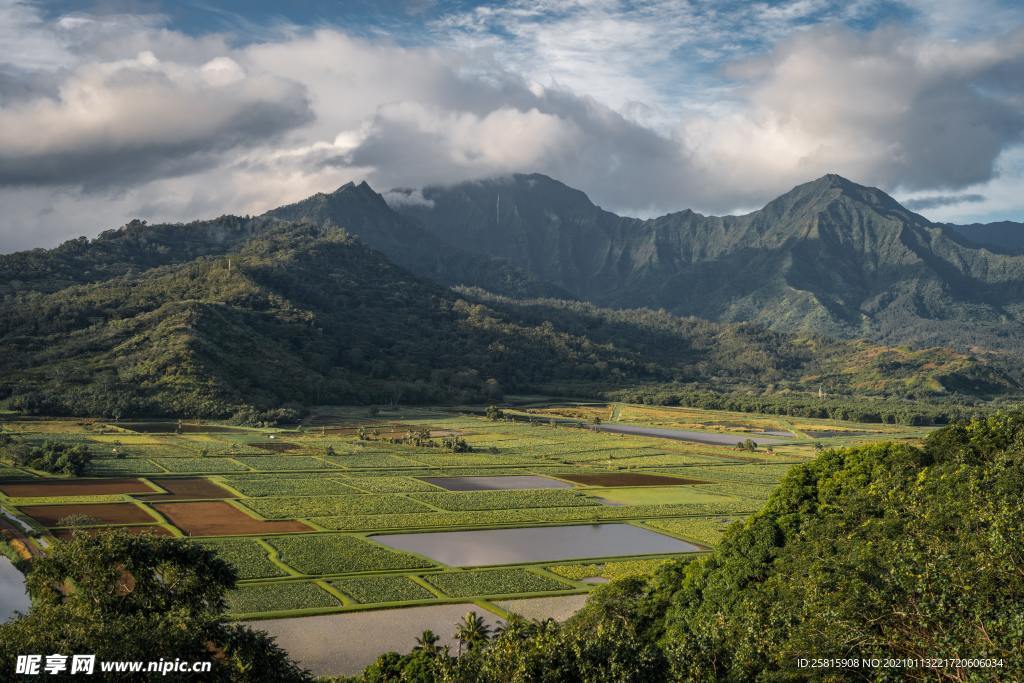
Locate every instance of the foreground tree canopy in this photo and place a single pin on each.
(879, 551)
(139, 598)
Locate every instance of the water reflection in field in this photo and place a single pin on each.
(536, 544)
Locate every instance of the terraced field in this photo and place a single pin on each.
(304, 515)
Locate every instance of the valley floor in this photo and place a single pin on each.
(305, 514)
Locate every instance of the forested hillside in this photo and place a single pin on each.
(885, 551)
(303, 314)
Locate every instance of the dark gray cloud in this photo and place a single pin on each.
(936, 201)
(130, 121)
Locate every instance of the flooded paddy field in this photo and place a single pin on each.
(344, 644)
(537, 544)
(13, 595)
(688, 435)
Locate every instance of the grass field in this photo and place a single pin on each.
(290, 509)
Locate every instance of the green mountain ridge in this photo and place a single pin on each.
(302, 314)
(212, 317)
(830, 257)
(1005, 236)
(363, 212)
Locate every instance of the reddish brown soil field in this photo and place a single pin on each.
(73, 487)
(111, 513)
(64, 534)
(627, 479)
(189, 488)
(275, 446)
(221, 519)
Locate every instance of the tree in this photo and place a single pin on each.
(55, 457)
(472, 631)
(124, 597)
(456, 444)
(495, 413)
(428, 640)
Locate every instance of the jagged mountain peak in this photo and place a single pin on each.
(818, 194)
(362, 187)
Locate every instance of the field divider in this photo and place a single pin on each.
(219, 480)
(342, 598)
(489, 606)
(157, 489)
(275, 558)
(408, 496)
(417, 579)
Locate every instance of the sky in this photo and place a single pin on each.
(173, 111)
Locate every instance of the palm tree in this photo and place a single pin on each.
(472, 631)
(427, 641)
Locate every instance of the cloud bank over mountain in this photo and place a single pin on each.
(647, 107)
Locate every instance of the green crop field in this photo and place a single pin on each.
(337, 554)
(117, 466)
(292, 507)
(257, 598)
(380, 589)
(271, 485)
(660, 495)
(390, 484)
(704, 530)
(608, 570)
(493, 582)
(504, 500)
(332, 489)
(200, 465)
(285, 462)
(247, 556)
(424, 520)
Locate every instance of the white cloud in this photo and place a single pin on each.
(141, 118)
(115, 117)
(884, 108)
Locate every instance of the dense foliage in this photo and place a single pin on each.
(887, 551)
(140, 598)
(859, 409)
(52, 456)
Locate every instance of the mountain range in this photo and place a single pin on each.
(345, 298)
(830, 257)
(1005, 236)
